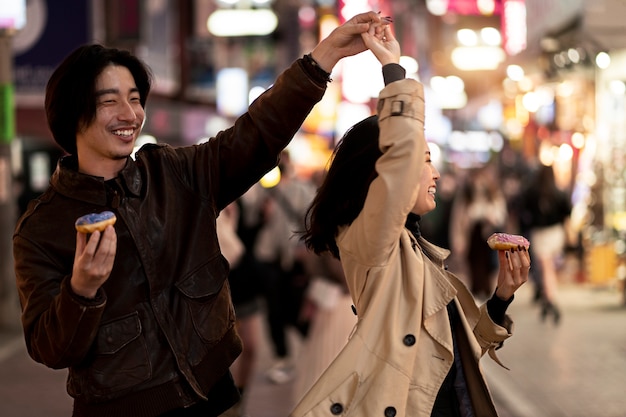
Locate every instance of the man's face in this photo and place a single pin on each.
(119, 118)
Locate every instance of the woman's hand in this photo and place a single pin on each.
(513, 273)
(382, 42)
(345, 40)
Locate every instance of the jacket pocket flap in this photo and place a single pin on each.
(114, 335)
(206, 280)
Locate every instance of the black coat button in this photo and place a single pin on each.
(409, 340)
(336, 409)
(354, 310)
(390, 412)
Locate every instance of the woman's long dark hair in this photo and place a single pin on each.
(342, 194)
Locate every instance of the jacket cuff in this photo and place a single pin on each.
(314, 71)
(393, 72)
(402, 98)
(491, 335)
(496, 307)
(98, 301)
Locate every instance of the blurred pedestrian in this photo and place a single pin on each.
(546, 211)
(416, 347)
(281, 255)
(479, 209)
(235, 232)
(327, 307)
(140, 313)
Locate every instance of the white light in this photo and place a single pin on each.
(573, 55)
(491, 36)
(455, 84)
(437, 7)
(477, 58)
(449, 92)
(515, 30)
(242, 22)
(409, 64)
(486, 7)
(359, 71)
(530, 101)
(232, 91)
(617, 87)
(13, 14)
(438, 84)
(603, 60)
(565, 152)
(515, 72)
(254, 93)
(467, 37)
(353, 7)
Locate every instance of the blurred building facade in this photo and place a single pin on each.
(545, 98)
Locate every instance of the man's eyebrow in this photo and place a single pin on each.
(114, 91)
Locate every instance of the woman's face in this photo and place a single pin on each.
(428, 186)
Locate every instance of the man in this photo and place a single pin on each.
(140, 313)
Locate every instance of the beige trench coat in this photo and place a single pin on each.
(401, 348)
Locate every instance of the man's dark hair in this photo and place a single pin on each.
(70, 94)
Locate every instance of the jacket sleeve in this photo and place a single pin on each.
(59, 326)
(236, 158)
(376, 230)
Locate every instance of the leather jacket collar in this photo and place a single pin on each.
(68, 181)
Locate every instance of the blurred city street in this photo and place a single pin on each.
(575, 369)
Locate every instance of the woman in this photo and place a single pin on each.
(419, 336)
(546, 212)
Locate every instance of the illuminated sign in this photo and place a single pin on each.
(514, 26)
(12, 14)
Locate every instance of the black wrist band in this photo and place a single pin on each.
(325, 75)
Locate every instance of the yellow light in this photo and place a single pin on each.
(578, 140)
(271, 179)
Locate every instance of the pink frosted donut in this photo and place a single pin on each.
(504, 241)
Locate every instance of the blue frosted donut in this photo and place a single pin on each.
(89, 223)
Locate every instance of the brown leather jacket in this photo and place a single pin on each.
(160, 332)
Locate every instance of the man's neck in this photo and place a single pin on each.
(106, 168)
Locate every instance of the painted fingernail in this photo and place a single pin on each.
(508, 258)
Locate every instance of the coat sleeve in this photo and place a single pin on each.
(59, 326)
(490, 335)
(376, 231)
(227, 165)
